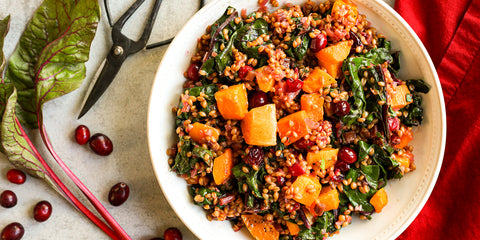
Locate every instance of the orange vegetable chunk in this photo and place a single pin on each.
(313, 105)
(403, 160)
(379, 200)
(327, 155)
(307, 188)
(317, 80)
(329, 198)
(222, 167)
(259, 126)
(331, 57)
(398, 98)
(201, 133)
(405, 139)
(232, 102)
(259, 228)
(293, 127)
(265, 80)
(293, 228)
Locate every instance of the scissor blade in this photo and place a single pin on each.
(106, 76)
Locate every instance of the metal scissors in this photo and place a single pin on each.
(121, 49)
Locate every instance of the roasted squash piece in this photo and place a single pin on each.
(313, 105)
(201, 133)
(329, 198)
(232, 102)
(259, 126)
(398, 98)
(259, 228)
(222, 167)
(405, 139)
(306, 189)
(317, 80)
(379, 200)
(331, 57)
(293, 127)
(326, 157)
(293, 228)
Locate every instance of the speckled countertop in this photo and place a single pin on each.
(121, 114)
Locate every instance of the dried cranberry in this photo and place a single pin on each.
(172, 234)
(341, 108)
(293, 85)
(13, 231)
(42, 211)
(258, 99)
(242, 73)
(255, 156)
(82, 134)
(318, 43)
(296, 170)
(280, 180)
(395, 139)
(8, 199)
(118, 194)
(356, 42)
(304, 144)
(342, 166)
(16, 176)
(101, 144)
(347, 155)
(393, 123)
(192, 71)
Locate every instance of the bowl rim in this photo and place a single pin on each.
(387, 9)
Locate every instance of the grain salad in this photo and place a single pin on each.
(292, 121)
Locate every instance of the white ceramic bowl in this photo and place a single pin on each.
(406, 196)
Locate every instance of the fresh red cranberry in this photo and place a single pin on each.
(42, 211)
(16, 176)
(255, 156)
(304, 144)
(318, 43)
(342, 166)
(192, 71)
(341, 108)
(258, 99)
(347, 155)
(393, 123)
(118, 194)
(82, 134)
(8, 199)
(296, 170)
(101, 144)
(13, 231)
(243, 72)
(294, 85)
(172, 234)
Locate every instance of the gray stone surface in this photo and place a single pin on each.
(121, 114)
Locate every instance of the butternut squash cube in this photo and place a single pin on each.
(293, 127)
(232, 102)
(379, 200)
(259, 126)
(313, 105)
(331, 57)
(306, 189)
(259, 228)
(329, 198)
(317, 80)
(201, 133)
(398, 98)
(293, 228)
(326, 157)
(222, 167)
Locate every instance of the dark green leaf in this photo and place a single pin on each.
(182, 163)
(250, 32)
(252, 179)
(372, 174)
(300, 51)
(419, 85)
(49, 60)
(200, 152)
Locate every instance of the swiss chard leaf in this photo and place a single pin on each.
(249, 32)
(419, 85)
(252, 179)
(49, 60)
(414, 110)
(15, 143)
(182, 163)
(372, 174)
(4, 26)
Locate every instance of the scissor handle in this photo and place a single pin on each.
(129, 46)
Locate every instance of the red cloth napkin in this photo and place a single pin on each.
(450, 30)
